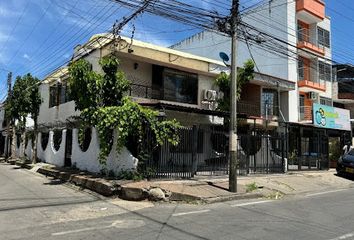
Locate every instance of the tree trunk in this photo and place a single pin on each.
(34, 144)
(13, 143)
(23, 145)
(23, 140)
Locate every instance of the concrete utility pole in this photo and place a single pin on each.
(233, 111)
(8, 142)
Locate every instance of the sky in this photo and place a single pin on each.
(37, 36)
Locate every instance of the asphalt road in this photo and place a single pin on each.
(33, 207)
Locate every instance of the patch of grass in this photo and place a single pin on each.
(251, 187)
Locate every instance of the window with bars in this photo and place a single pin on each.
(269, 102)
(301, 69)
(326, 101)
(324, 71)
(323, 37)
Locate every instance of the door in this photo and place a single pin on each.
(68, 147)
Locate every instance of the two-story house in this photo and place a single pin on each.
(179, 85)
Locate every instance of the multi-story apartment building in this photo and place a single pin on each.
(303, 29)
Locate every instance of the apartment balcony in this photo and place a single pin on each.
(310, 11)
(312, 47)
(307, 85)
(305, 114)
(308, 44)
(247, 108)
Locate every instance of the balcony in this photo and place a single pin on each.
(311, 47)
(244, 107)
(321, 86)
(305, 114)
(310, 11)
(307, 43)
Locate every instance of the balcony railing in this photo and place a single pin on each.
(243, 107)
(321, 85)
(308, 43)
(305, 113)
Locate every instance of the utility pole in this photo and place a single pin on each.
(233, 146)
(8, 142)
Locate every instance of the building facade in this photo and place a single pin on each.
(301, 32)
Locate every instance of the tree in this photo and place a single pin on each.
(101, 101)
(223, 81)
(25, 100)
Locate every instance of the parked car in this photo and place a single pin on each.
(345, 163)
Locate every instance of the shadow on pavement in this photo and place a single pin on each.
(54, 182)
(345, 176)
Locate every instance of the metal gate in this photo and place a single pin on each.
(205, 152)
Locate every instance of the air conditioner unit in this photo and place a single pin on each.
(210, 95)
(313, 95)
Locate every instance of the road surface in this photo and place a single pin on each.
(34, 207)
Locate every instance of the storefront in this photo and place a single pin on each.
(316, 146)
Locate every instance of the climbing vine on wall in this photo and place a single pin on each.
(101, 100)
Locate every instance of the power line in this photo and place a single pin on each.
(15, 26)
(66, 44)
(30, 34)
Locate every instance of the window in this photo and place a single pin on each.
(174, 85)
(53, 96)
(324, 71)
(301, 71)
(269, 102)
(325, 101)
(180, 86)
(323, 37)
(58, 94)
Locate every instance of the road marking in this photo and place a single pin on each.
(80, 230)
(321, 193)
(192, 212)
(251, 203)
(115, 224)
(345, 236)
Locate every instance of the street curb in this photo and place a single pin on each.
(106, 188)
(97, 185)
(23, 164)
(232, 197)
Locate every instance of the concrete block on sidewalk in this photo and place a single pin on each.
(133, 194)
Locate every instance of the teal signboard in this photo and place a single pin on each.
(331, 117)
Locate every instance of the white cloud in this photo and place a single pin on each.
(25, 56)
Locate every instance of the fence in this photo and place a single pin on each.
(205, 152)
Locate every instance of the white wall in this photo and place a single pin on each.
(50, 155)
(274, 22)
(279, 20)
(54, 114)
(87, 160)
(293, 102)
(28, 150)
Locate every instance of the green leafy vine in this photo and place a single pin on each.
(100, 98)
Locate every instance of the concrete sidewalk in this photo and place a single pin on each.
(201, 188)
(209, 189)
